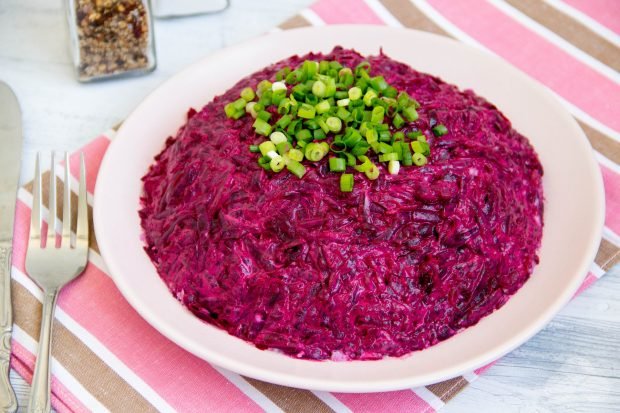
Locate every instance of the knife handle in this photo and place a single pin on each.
(8, 401)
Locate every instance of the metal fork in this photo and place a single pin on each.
(52, 267)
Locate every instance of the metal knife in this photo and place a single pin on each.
(10, 156)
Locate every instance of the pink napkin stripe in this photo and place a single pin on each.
(93, 154)
(63, 400)
(405, 400)
(585, 88)
(590, 279)
(611, 180)
(606, 12)
(345, 11)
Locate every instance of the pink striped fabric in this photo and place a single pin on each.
(606, 12)
(345, 11)
(611, 180)
(581, 85)
(94, 303)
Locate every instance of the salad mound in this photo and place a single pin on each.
(395, 263)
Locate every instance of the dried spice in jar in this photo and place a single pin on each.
(111, 37)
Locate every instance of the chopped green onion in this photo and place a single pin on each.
(318, 89)
(365, 166)
(277, 164)
(415, 134)
(319, 134)
(249, 108)
(419, 159)
(389, 157)
(264, 161)
(343, 102)
(398, 121)
(303, 135)
(351, 161)
(369, 97)
(410, 113)
(284, 121)
(264, 115)
(378, 113)
(277, 137)
(393, 167)
(284, 106)
(338, 147)
(343, 114)
(360, 149)
(372, 173)
(296, 168)
(337, 165)
(294, 77)
(421, 137)
(247, 94)
(262, 87)
(346, 182)
(306, 111)
(440, 130)
(355, 93)
(378, 83)
(334, 124)
(344, 71)
(314, 152)
(310, 68)
(283, 147)
(406, 155)
(398, 136)
(390, 92)
(385, 148)
(254, 148)
(262, 127)
(266, 147)
(296, 155)
(322, 107)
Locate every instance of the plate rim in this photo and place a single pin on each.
(326, 384)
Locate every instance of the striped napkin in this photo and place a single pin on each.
(107, 358)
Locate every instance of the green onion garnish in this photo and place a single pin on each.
(247, 94)
(318, 108)
(346, 182)
(440, 130)
(296, 168)
(337, 165)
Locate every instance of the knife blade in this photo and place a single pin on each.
(10, 156)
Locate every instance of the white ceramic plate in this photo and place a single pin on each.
(574, 208)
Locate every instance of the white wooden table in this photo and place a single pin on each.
(572, 365)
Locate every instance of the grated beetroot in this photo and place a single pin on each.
(397, 265)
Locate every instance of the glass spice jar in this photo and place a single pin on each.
(110, 38)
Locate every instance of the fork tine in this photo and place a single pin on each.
(51, 227)
(35, 217)
(82, 216)
(66, 207)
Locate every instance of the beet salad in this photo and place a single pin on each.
(344, 207)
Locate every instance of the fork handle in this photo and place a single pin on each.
(8, 401)
(41, 392)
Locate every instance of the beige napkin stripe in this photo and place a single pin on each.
(290, 399)
(602, 143)
(570, 30)
(295, 22)
(412, 17)
(447, 389)
(608, 255)
(98, 379)
(60, 189)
